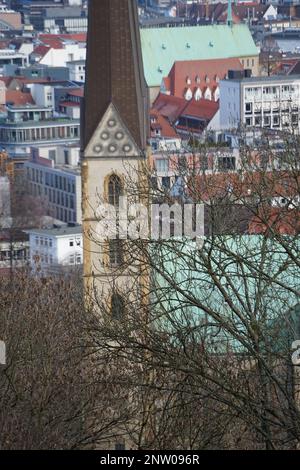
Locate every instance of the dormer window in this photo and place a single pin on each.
(207, 94)
(217, 79)
(207, 79)
(198, 94)
(188, 94)
(198, 79)
(188, 81)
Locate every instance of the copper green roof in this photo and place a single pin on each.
(254, 272)
(163, 46)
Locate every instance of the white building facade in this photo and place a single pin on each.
(77, 70)
(260, 102)
(60, 57)
(55, 248)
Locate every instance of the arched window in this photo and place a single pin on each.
(117, 307)
(116, 257)
(114, 190)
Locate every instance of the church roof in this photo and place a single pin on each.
(114, 68)
(164, 46)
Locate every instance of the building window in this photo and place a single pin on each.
(166, 182)
(117, 307)
(71, 242)
(248, 108)
(258, 121)
(226, 163)
(114, 190)
(66, 157)
(162, 165)
(115, 252)
(52, 155)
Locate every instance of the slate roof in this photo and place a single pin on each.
(114, 68)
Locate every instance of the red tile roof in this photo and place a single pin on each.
(167, 131)
(172, 107)
(41, 50)
(219, 11)
(280, 220)
(266, 185)
(76, 92)
(202, 109)
(69, 104)
(169, 106)
(200, 73)
(56, 41)
(80, 37)
(18, 98)
(6, 80)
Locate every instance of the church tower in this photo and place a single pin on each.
(114, 128)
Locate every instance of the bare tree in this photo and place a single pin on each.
(50, 396)
(208, 337)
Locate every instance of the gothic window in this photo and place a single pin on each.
(117, 307)
(114, 190)
(115, 252)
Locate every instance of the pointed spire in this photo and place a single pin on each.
(229, 14)
(114, 69)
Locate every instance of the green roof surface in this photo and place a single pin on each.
(253, 263)
(162, 47)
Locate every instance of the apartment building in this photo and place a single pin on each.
(58, 185)
(32, 125)
(12, 57)
(14, 250)
(57, 248)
